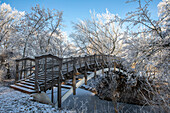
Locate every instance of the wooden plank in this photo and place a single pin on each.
(64, 86)
(27, 83)
(25, 86)
(22, 89)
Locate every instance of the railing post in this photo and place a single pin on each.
(17, 69)
(119, 67)
(94, 73)
(59, 90)
(36, 74)
(25, 61)
(114, 66)
(45, 73)
(80, 62)
(20, 77)
(95, 66)
(67, 67)
(74, 78)
(30, 67)
(109, 62)
(59, 83)
(102, 65)
(52, 91)
(85, 73)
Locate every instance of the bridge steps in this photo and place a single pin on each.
(23, 88)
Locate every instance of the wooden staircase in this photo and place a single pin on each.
(26, 86)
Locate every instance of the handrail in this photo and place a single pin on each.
(26, 58)
(48, 55)
(25, 68)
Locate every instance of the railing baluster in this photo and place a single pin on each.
(36, 74)
(94, 73)
(108, 61)
(67, 69)
(80, 63)
(30, 67)
(21, 71)
(114, 66)
(95, 66)
(17, 71)
(85, 71)
(59, 83)
(74, 78)
(102, 65)
(25, 61)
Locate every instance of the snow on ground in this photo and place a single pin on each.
(12, 101)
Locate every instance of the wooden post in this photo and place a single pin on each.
(67, 67)
(114, 66)
(59, 90)
(119, 68)
(17, 69)
(25, 61)
(85, 70)
(95, 66)
(94, 73)
(59, 84)
(109, 63)
(30, 67)
(52, 91)
(20, 77)
(102, 65)
(74, 78)
(45, 74)
(103, 70)
(36, 73)
(80, 62)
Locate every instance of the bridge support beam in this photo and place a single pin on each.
(85, 70)
(74, 84)
(94, 73)
(17, 73)
(102, 70)
(59, 93)
(74, 77)
(85, 76)
(114, 66)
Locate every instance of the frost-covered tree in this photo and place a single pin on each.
(60, 45)
(164, 17)
(8, 20)
(98, 34)
(37, 29)
(147, 45)
(150, 40)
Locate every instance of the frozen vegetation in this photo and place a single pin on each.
(141, 43)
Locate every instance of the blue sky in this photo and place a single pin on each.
(79, 9)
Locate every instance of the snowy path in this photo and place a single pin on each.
(12, 101)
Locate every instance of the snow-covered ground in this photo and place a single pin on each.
(12, 101)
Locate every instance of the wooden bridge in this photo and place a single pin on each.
(48, 71)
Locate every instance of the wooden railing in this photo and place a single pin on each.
(24, 68)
